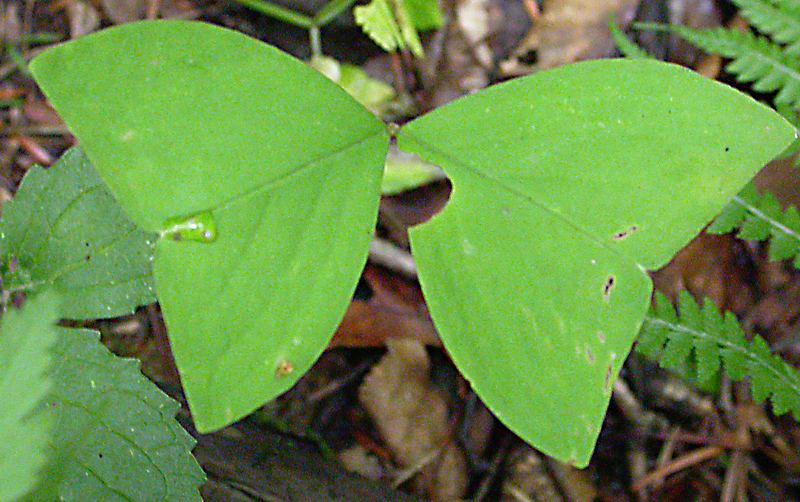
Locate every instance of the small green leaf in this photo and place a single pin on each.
(26, 340)
(534, 272)
(625, 45)
(388, 23)
(281, 162)
(375, 95)
(117, 434)
(65, 231)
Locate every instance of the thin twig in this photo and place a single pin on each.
(695, 457)
(386, 254)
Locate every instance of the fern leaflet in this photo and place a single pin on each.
(754, 59)
(626, 46)
(717, 341)
(780, 19)
(760, 217)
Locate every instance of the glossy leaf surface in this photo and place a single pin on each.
(205, 124)
(64, 230)
(568, 185)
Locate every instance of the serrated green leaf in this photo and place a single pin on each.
(65, 231)
(117, 434)
(388, 23)
(574, 157)
(273, 180)
(26, 340)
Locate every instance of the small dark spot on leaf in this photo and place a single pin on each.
(727, 149)
(284, 368)
(590, 355)
(601, 336)
(607, 382)
(625, 233)
(607, 287)
(99, 455)
(86, 244)
(88, 257)
(177, 236)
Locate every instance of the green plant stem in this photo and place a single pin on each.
(314, 39)
(279, 13)
(331, 10)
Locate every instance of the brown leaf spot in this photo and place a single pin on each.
(625, 233)
(284, 368)
(607, 287)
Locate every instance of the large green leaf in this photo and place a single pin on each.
(116, 437)
(26, 340)
(262, 177)
(64, 230)
(568, 185)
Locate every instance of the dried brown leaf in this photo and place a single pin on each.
(574, 30)
(411, 416)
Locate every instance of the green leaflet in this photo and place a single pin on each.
(534, 272)
(283, 162)
(116, 434)
(567, 185)
(760, 217)
(65, 230)
(390, 25)
(626, 46)
(778, 18)
(26, 340)
(754, 58)
(712, 338)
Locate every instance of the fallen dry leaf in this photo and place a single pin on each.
(124, 11)
(396, 309)
(83, 18)
(526, 478)
(411, 416)
(574, 30)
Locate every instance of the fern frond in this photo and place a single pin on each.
(760, 217)
(626, 46)
(389, 25)
(754, 59)
(780, 19)
(717, 341)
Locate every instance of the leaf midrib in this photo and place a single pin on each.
(295, 172)
(527, 198)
